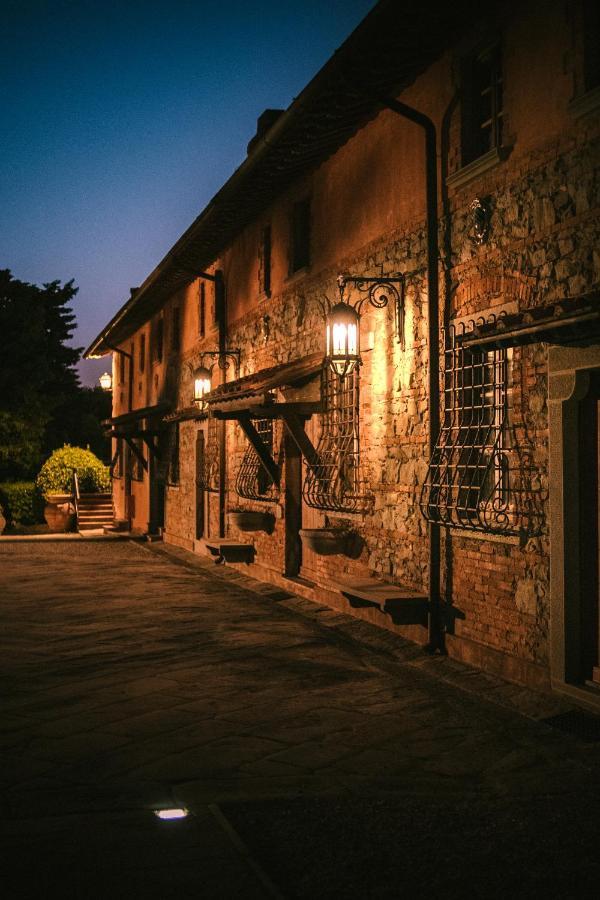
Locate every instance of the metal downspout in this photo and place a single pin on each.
(436, 631)
(127, 473)
(221, 307)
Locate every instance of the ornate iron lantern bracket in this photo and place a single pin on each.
(379, 291)
(224, 359)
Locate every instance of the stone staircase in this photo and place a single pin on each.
(94, 512)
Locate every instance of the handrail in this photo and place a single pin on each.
(76, 493)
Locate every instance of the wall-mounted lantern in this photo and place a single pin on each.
(105, 381)
(342, 320)
(342, 336)
(202, 383)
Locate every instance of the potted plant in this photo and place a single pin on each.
(55, 483)
(327, 541)
(251, 520)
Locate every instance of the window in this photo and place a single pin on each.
(175, 330)
(202, 309)
(135, 460)
(252, 481)
(158, 341)
(142, 354)
(336, 482)
(591, 44)
(481, 476)
(116, 466)
(264, 262)
(482, 111)
(174, 456)
(300, 235)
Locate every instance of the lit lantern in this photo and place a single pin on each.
(342, 337)
(202, 379)
(106, 382)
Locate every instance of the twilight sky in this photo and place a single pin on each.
(122, 119)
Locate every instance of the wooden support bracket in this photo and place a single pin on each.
(261, 450)
(137, 452)
(295, 428)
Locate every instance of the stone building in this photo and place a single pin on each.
(440, 480)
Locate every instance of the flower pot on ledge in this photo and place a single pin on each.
(59, 512)
(326, 541)
(251, 520)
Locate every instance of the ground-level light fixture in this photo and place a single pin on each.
(342, 320)
(106, 381)
(202, 383)
(179, 812)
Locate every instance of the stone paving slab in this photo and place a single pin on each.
(135, 676)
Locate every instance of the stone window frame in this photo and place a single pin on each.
(175, 336)
(135, 465)
(265, 256)
(300, 221)
(142, 353)
(158, 339)
(201, 308)
(586, 72)
(478, 164)
(174, 471)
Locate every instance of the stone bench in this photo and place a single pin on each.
(231, 551)
(405, 605)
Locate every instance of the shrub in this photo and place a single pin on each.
(21, 503)
(56, 475)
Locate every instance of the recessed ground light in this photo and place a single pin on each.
(177, 813)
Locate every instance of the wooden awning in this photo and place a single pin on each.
(257, 389)
(185, 414)
(564, 322)
(129, 420)
(145, 423)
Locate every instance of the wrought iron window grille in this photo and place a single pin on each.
(482, 475)
(335, 481)
(252, 481)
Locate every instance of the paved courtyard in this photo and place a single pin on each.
(317, 755)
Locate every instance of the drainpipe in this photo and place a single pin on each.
(127, 485)
(221, 310)
(436, 631)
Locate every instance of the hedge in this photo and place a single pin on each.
(21, 503)
(56, 475)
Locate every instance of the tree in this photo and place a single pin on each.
(37, 375)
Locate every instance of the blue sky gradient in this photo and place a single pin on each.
(122, 120)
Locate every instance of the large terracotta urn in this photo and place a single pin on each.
(59, 512)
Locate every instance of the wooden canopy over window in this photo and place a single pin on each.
(145, 423)
(257, 389)
(558, 323)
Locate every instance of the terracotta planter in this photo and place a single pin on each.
(59, 512)
(326, 541)
(251, 520)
